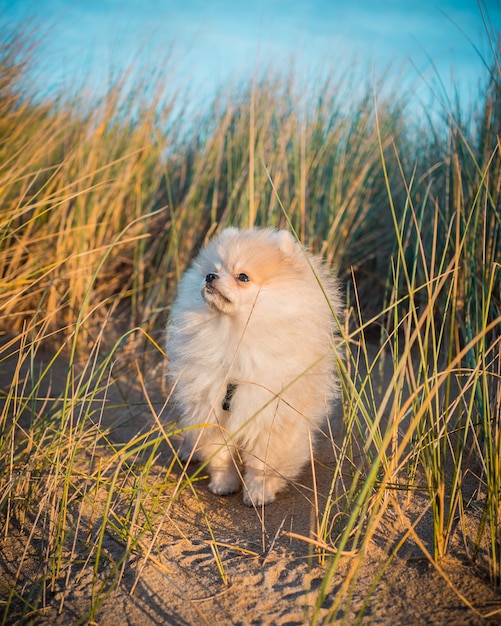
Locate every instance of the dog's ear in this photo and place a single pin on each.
(228, 233)
(286, 242)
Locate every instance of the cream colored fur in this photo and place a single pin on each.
(250, 313)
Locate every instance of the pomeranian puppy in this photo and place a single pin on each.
(251, 359)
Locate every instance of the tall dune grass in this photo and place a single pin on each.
(102, 208)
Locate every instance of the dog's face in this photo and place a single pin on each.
(228, 291)
(237, 265)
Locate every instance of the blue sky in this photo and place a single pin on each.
(212, 41)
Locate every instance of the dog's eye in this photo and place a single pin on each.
(243, 278)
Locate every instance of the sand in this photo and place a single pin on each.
(212, 560)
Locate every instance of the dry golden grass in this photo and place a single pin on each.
(101, 210)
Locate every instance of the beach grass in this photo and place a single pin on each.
(102, 209)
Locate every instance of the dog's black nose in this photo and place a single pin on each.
(210, 277)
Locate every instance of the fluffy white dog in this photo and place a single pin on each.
(251, 359)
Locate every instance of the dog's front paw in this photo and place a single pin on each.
(224, 482)
(260, 490)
